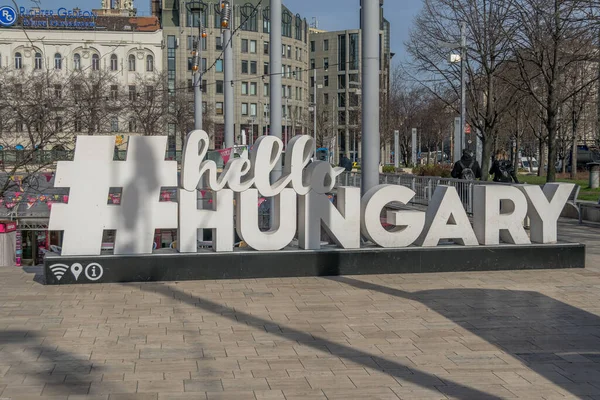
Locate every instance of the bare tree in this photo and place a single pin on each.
(93, 92)
(552, 38)
(180, 112)
(36, 113)
(147, 104)
(488, 47)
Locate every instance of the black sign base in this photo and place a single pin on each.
(167, 265)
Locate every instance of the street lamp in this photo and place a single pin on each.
(455, 58)
(197, 7)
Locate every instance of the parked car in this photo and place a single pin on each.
(530, 164)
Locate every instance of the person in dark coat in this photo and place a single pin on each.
(346, 163)
(467, 168)
(502, 169)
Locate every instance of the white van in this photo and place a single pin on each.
(525, 164)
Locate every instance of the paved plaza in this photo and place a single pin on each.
(497, 335)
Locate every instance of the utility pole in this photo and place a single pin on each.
(463, 84)
(276, 94)
(196, 8)
(370, 93)
(275, 98)
(226, 20)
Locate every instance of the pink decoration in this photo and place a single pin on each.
(226, 154)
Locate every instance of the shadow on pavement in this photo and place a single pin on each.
(555, 340)
(63, 373)
(398, 370)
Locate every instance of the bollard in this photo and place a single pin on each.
(594, 175)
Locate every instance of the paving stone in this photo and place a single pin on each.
(509, 334)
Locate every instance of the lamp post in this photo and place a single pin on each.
(226, 11)
(454, 58)
(370, 57)
(197, 8)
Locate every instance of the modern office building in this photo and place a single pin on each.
(251, 26)
(336, 58)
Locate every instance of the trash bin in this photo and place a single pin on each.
(8, 243)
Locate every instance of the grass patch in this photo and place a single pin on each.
(585, 194)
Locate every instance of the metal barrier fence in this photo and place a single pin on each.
(423, 186)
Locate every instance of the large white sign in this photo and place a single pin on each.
(301, 204)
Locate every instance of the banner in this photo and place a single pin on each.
(225, 154)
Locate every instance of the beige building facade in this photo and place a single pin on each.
(251, 58)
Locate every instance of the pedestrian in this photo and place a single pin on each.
(502, 169)
(467, 168)
(346, 163)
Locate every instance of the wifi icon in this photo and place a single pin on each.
(59, 270)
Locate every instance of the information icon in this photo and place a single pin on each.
(94, 272)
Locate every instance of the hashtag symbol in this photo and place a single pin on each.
(92, 174)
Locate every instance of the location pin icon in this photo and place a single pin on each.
(76, 269)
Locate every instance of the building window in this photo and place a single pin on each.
(218, 43)
(266, 91)
(204, 85)
(193, 19)
(114, 92)
(253, 87)
(312, 46)
(326, 63)
(253, 110)
(77, 125)
(298, 27)
(326, 80)
(204, 65)
(219, 65)
(266, 21)
(266, 48)
(37, 61)
(266, 68)
(326, 45)
(114, 63)
(18, 61)
(76, 62)
(253, 46)
(312, 63)
(219, 87)
(58, 124)
(58, 91)
(244, 67)
(190, 63)
(289, 52)
(244, 108)
(353, 52)
(249, 18)
(244, 45)
(95, 62)
(341, 82)
(149, 63)
(286, 24)
(244, 88)
(57, 61)
(132, 93)
(131, 63)
(114, 124)
(132, 126)
(253, 67)
(341, 52)
(219, 108)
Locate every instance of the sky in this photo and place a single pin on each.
(331, 14)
